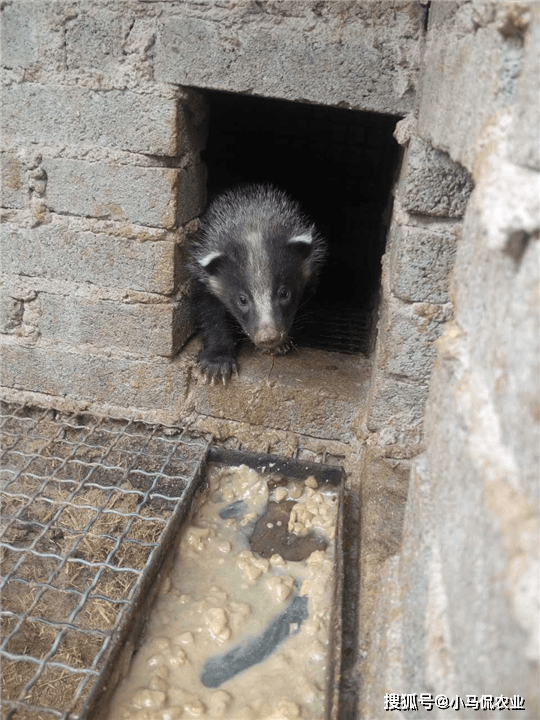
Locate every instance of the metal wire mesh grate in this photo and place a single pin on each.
(341, 328)
(88, 508)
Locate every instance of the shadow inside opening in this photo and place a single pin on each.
(340, 165)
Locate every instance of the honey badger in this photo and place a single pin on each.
(255, 254)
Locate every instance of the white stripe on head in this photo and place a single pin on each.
(263, 306)
(207, 259)
(304, 239)
(260, 277)
(254, 239)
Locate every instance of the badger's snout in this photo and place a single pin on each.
(268, 337)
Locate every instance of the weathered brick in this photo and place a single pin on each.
(433, 183)
(420, 264)
(144, 195)
(140, 328)
(396, 411)
(58, 250)
(96, 42)
(143, 384)
(407, 331)
(18, 31)
(81, 117)
(14, 190)
(242, 46)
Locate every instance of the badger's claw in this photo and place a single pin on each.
(282, 349)
(217, 367)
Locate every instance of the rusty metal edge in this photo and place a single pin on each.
(126, 640)
(325, 474)
(333, 687)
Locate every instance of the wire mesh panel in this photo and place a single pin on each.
(341, 328)
(89, 507)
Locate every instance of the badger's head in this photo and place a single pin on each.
(260, 278)
(257, 253)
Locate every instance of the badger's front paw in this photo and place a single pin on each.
(282, 349)
(217, 366)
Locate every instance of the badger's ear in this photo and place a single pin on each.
(212, 262)
(303, 244)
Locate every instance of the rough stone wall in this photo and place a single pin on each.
(102, 174)
(101, 179)
(453, 603)
(429, 202)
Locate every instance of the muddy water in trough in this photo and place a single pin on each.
(240, 629)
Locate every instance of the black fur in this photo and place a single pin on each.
(254, 257)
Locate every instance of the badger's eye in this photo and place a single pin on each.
(243, 301)
(284, 293)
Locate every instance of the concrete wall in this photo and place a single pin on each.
(102, 176)
(101, 179)
(452, 599)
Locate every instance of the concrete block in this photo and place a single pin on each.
(13, 185)
(94, 378)
(486, 531)
(511, 354)
(420, 264)
(33, 38)
(113, 46)
(192, 120)
(525, 142)
(191, 193)
(80, 117)
(61, 250)
(456, 105)
(385, 485)
(443, 11)
(11, 313)
(407, 332)
(381, 668)
(97, 42)
(134, 327)
(154, 196)
(496, 288)
(362, 56)
(435, 654)
(433, 184)
(183, 326)
(271, 393)
(268, 400)
(384, 493)
(415, 561)
(395, 412)
(17, 312)
(19, 27)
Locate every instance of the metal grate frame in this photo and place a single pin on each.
(89, 507)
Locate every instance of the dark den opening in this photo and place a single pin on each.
(340, 165)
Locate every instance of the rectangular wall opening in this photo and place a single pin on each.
(340, 165)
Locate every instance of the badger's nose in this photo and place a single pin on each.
(267, 337)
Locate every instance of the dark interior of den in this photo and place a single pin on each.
(340, 165)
